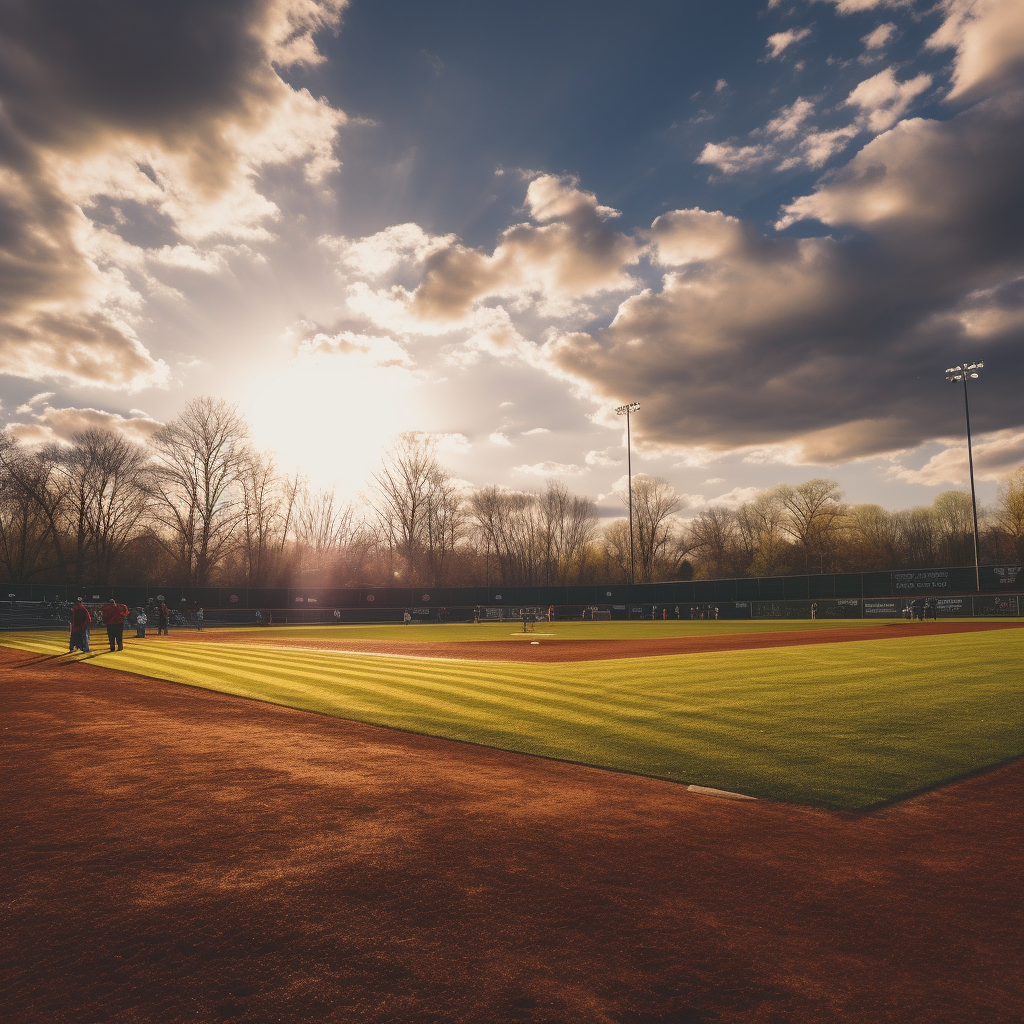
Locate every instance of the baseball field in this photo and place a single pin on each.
(473, 823)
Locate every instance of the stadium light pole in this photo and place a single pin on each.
(953, 375)
(625, 410)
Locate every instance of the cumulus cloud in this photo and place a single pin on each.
(381, 253)
(376, 350)
(736, 497)
(790, 119)
(695, 236)
(878, 37)
(602, 458)
(772, 345)
(550, 469)
(500, 439)
(731, 159)
(779, 349)
(569, 252)
(988, 36)
(996, 455)
(857, 6)
(536, 430)
(781, 41)
(790, 141)
(159, 122)
(56, 425)
(452, 443)
(883, 101)
(33, 401)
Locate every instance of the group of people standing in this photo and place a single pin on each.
(114, 616)
(919, 609)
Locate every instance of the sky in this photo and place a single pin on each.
(774, 225)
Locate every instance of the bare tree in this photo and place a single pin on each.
(24, 527)
(106, 473)
(1008, 513)
(266, 504)
(196, 498)
(324, 531)
(954, 523)
(761, 525)
(418, 507)
(510, 528)
(713, 534)
(919, 538)
(33, 477)
(654, 503)
(874, 536)
(568, 525)
(615, 548)
(815, 513)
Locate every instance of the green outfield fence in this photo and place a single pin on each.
(840, 595)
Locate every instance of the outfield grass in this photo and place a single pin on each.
(836, 725)
(619, 630)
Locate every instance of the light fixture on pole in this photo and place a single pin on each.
(625, 410)
(962, 373)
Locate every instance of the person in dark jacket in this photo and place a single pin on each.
(162, 620)
(80, 619)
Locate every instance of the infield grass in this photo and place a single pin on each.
(620, 630)
(837, 725)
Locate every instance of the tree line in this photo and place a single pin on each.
(199, 506)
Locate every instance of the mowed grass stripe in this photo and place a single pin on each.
(465, 680)
(615, 630)
(842, 725)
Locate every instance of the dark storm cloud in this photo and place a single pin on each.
(70, 69)
(92, 95)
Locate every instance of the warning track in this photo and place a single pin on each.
(175, 854)
(546, 650)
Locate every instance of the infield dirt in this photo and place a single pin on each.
(175, 854)
(552, 649)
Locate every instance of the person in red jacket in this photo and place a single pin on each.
(80, 619)
(114, 615)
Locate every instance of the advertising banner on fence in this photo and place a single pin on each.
(883, 609)
(1008, 575)
(927, 579)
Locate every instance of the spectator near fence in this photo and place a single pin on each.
(114, 615)
(162, 619)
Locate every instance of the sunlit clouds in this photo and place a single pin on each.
(165, 139)
(827, 213)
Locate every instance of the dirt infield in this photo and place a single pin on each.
(175, 854)
(548, 650)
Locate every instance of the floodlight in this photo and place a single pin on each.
(625, 410)
(955, 375)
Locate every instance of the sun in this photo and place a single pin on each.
(330, 416)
